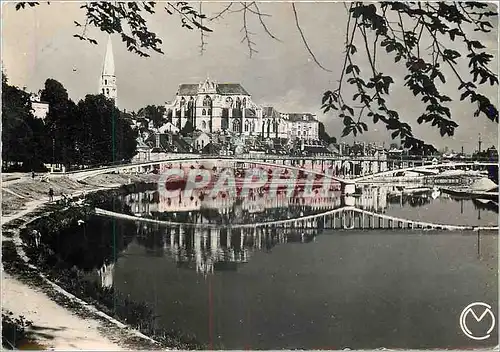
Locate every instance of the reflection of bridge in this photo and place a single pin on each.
(208, 247)
(347, 217)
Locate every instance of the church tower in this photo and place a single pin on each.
(108, 78)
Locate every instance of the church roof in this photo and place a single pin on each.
(269, 111)
(231, 88)
(222, 88)
(317, 149)
(109, 61)
(188, 89)
(211, 148)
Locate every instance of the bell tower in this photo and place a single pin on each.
(108, 79)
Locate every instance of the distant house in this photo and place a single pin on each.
(159, 143)
(181, 145)
(168, 128)
(395, 153)
(151, 125)
(301, 125)
(133, 123)
(334, 148)
(317, 149)
(492, 152)
(39, 108)
(199, 140)
(143, 150)
(211, 149)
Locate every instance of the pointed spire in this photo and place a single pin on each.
(108, 78)
(109, 61)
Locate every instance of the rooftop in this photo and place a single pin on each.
(269, 111)
(300, 116)
(222, 88)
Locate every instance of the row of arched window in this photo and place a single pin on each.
(207, 101)
(249, 126)
(238, 104)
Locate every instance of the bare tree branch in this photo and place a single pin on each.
(202, 36)
(246, 32)
(260, 14)
(221, 13)
(304, 39)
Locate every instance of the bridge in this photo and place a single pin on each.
(317, 166)
(422, 168)
(347, 218)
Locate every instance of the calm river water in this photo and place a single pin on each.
(308, 285)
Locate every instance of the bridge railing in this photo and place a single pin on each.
(250, 157)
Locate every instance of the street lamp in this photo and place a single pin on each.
(53, 152)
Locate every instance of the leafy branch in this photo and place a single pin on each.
(129, 20)
(441, 22)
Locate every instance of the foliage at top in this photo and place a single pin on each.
(443, 23)
(153, 113)
(129, 19)
(397, 28)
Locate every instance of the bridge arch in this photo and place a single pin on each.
(81, 175)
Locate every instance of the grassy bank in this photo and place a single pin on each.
(73, 242)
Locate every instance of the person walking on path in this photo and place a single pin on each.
(51, 195)
(32, 174)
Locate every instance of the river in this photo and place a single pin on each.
(307, 285)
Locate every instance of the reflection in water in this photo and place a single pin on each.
(106, 274)
(302, 284)
(217, 249)
(206, 250)
(257, 207)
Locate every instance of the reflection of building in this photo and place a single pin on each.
(372, 198)
(256, 203)
(106, 275)
(209, 250)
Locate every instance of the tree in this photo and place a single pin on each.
(394, 27)
(187, 129)
(106, 136)
(23, 136)
(393, 146)
(153, 113)
(60, 122)
(324, 136)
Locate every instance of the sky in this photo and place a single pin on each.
(38, 43)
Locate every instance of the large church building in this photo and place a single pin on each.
(215, 107)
